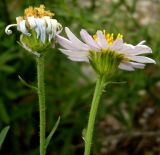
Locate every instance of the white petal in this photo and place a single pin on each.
(102, 40)
(7, 29)
(78, 59)
(41, 24)
(117, 44)
(49, 25)
(75, 40)
(31, 21)
(37, 28)
(140, 49)
(142, 42)
(59, 28)
(141, 59)
(53, 28)
(49, 30)
(54, 25)
(74, 53)
(22, 28)
(129, 49)
(75, 56)
(125, 66)
(43, 31)
(89, 40)
(43, 34)
(136, 65)
(65, 43)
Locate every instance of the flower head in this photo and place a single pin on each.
(104, 51)
(37, 27)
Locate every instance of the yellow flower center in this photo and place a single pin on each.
(37, 12)
(109, 37)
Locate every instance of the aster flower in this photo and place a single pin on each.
(37, 27)
(38, 30)
(104, 51)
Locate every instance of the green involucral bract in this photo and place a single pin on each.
(34, 43)
(105, 62)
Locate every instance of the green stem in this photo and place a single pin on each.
(93, 112)
(42, 108)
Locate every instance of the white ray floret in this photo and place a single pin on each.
(44, 26)
(77, 50)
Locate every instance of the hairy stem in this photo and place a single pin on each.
(42, 108)
(93, 112)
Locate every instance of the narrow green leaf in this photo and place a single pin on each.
(110, 82)
(3, 135)
(26, 84)
(3, 113)
(52, 132)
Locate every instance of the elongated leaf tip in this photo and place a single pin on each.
(3, 135)
(48, 139)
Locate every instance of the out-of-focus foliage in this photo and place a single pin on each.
(3, 134)
(69, 85)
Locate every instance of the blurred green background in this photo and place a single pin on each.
(128, 120)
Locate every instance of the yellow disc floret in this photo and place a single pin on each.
(109, 37)
(95, 37)
(119, 35)
(37, 12)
